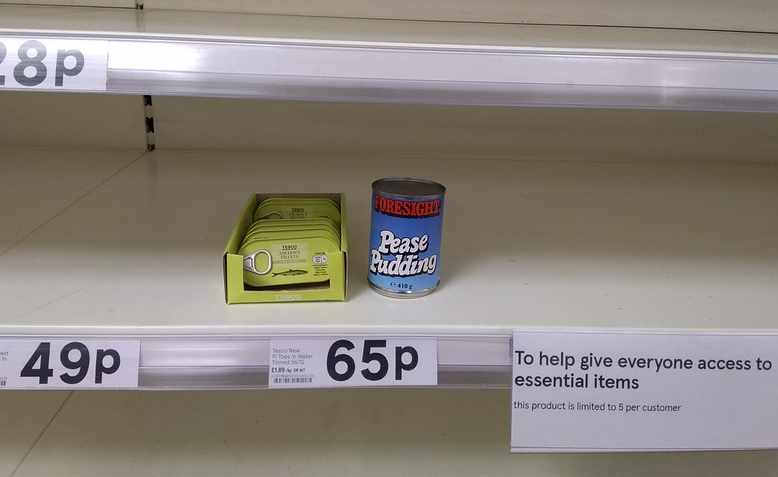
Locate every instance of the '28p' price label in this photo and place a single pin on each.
(53, 64)
(57, 364)
(353, 362)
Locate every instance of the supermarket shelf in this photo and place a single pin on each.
(207, 54)
(527, 244)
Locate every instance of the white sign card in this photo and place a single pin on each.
(636, 391)
(352, 362)
(53, 64)
(59, 364)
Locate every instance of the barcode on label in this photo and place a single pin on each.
(284, 380)
(3, 382)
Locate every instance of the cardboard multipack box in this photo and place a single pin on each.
(236, 291)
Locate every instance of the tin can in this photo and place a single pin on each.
(405, 236)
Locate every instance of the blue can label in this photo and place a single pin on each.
(405, 242)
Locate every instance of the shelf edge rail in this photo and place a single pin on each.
(444, 74)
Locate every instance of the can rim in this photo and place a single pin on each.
(441, 189)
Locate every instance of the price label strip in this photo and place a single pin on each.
(63, 364)
(353, 362)
(53, 64)
(641, 391)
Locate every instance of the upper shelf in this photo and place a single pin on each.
(207, 54)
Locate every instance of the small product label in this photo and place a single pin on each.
(353, 362)
(636, 391)
(289, 253)
(57, 364)
(53, 64)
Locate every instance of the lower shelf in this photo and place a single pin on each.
(526, 244)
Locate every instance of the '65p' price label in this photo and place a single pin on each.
(353, 362)
(53, 64)
(26, 364)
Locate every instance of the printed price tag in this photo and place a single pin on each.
(353, 362)
(636, 391)
(68, 364)
(53, 64)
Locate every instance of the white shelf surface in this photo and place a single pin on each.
(58, 180)
(526, 244)
(238, 55)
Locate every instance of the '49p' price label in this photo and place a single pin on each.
(59, 364)
(353, 362)
(53, 64)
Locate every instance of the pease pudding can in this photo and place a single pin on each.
(405, 237)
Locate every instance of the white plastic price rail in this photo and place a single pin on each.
(156, 59)
(242, 362)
